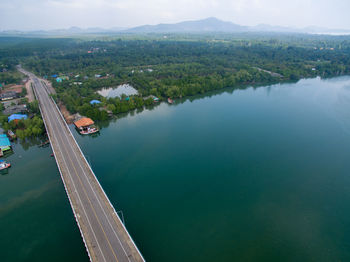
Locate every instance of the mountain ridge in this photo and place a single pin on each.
(207, 25)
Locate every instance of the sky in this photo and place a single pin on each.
(57, 14)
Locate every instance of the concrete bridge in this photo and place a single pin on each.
(105, 236)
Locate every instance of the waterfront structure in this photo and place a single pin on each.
(5, 143)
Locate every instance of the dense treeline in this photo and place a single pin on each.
(179, 65)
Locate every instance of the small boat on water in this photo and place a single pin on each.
(170, 101)
(89, 130)
(11, 134)
(4, 165)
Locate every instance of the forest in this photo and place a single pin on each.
(172, 66)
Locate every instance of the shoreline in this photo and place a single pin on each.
(71, 117)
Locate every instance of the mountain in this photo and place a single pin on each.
(213, 24)
(210, 24)
(207, 25)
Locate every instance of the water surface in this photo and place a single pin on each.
(118, 91)
(36, 220)
(259, 174)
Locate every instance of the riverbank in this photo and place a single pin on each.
(126, 100)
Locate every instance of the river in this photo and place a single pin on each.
(255, 174)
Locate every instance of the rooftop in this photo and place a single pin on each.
(4, 141)
(15, 109)
(82, 122)
(16, 117)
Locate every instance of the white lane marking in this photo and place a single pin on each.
(82, 205)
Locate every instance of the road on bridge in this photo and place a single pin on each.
(105, 237)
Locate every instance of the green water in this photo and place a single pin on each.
(36, 221)
(250, 175)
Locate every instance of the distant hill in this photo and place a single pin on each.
(211, 24)
(207, 25)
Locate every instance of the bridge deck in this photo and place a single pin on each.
(105, 237)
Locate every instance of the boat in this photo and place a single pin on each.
(170, 101)
(89, 130)
(4, 165)
(11, 134)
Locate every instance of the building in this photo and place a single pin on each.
(15, 109)
(93, 102)
(17, 117)
(5, 143)
(86, 126)
(83, 122)
(8, 95)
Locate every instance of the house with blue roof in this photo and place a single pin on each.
(93, 102)
(17, 117)
(5, 143)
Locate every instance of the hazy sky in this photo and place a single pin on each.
(51, 14)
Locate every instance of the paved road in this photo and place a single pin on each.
(105, 237)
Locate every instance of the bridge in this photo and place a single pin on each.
(105, 236)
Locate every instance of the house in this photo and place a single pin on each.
(93, 102)
(5, 143)
(16, 117)
(8, 95)
(15, 109)
(97, 76)
(86, 126)
(58, 80)
(83, 122)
